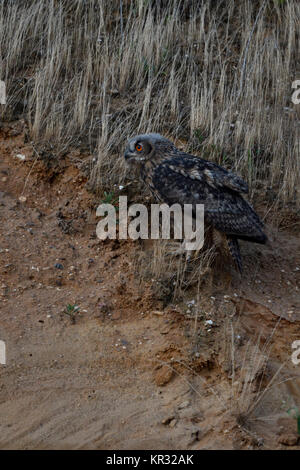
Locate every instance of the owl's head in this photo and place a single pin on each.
(147, 146)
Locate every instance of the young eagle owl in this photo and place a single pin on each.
(174, 176)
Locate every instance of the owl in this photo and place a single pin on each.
(174, 176)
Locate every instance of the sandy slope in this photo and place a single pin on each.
(128, 373)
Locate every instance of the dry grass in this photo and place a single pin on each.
(215, 76)
(260, 385)
(172, 275)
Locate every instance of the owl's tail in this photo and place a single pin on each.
(234, 249)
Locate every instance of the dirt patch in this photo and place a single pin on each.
(95, 361)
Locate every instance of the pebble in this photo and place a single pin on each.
(163, 376)
(20, 156)
(183, 405)
(288, 439)
(58, 266)
(168, 420)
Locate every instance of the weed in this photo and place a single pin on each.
(294, 412)
(110, 198)
(72, 311)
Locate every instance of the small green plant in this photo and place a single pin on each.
(72, 310)
(110, 198)
(294, 412)
(225, 159)
(199, 136)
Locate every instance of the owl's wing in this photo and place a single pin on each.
(207, 172)
(224, 208)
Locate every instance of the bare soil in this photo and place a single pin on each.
(129, 372)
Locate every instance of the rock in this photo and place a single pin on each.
(58, 266)
(288, 439)
(20, 156)
(163, 376)
(173, 423)
(22, 199)
(183, 405)
(167, 421)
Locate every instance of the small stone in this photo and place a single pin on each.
(288, 439)
(58, 266)
(22, 199)
(20, 156)
(183, 405)
(173, 423)
(167, 421)
(163, 376)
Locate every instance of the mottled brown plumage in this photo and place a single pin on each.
(174, 176)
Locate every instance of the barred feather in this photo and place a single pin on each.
(174, 177)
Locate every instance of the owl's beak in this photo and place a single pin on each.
(127, 155)
(130, 157)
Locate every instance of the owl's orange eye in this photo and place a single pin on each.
(138, 147)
